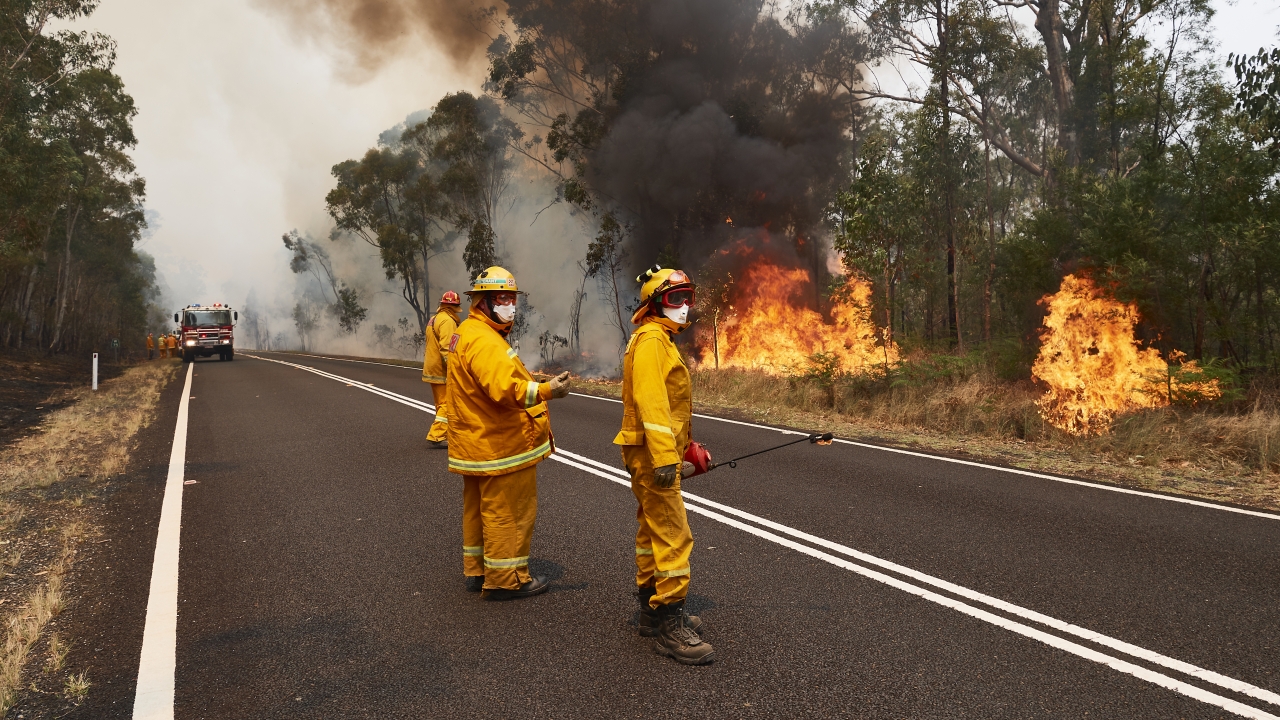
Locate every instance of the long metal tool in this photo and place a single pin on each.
(816, 438)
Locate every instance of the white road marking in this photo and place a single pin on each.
(154, 697)
(1141, 653)
(617, 475)
(912, 453)
(984, 466)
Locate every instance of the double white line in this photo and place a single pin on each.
(925, 586)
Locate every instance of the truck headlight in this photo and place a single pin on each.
(226, 342)
(190, 343)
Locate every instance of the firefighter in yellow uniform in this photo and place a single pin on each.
(151, 346)
(163, 347)
(172, 342)
(498, 431)
(435, 362)
(657, 410)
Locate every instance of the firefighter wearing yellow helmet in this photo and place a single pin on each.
(498, 432)
(657, 410)
(435, 362)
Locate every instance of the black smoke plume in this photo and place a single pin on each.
(696, 122)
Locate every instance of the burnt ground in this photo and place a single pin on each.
(34, 384)
(107, 584)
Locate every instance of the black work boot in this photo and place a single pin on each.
(647, 617)
(677, 641)
(475, 583)
(535, 586)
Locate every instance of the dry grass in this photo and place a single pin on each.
(1226, 456)
(90, 438)
(77, 687)
(58, 650)
(88, 441)
(24, 625)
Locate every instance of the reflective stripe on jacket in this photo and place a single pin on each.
(498, 419)
(435, 357)
(657, 403)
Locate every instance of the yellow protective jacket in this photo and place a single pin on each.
(498, 419)
(435, 358)
(657, 403)
(151, 343)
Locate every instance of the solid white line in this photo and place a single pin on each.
(154, 697)
(591, 466)
(620, 476)
(402, 399)
(1223, 681)
(330, 357)
(984, 466)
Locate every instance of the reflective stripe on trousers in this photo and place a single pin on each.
(508, 509)
(663, 539)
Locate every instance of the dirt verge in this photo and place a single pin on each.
(57, 483)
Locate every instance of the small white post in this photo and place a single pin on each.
(95, 371)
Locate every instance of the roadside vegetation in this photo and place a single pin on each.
(960, 407)
(49, 482)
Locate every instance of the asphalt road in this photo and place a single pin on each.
(320, 576)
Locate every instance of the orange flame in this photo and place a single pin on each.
(1093, 365)
(772, 329)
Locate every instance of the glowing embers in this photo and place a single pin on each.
(772, 326)
(1093, 366)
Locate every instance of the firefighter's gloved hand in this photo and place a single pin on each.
(666, 476)
(560, 385)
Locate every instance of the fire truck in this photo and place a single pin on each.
(206, 330)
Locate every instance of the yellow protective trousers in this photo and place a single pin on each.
(663, 539)
(472, 529)
(440, 427)
(508, 508)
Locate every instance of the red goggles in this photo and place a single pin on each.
(677, 297)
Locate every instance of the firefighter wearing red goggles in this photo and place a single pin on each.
(656, 416)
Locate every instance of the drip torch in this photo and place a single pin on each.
(698, 455)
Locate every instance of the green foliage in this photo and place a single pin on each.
(1258, 92)
(70, 199)
(413, 199)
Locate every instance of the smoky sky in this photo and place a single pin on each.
(372, 32)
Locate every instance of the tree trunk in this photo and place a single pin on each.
(942, 74)
(1049, 25)
(991, 245)
(64, 281)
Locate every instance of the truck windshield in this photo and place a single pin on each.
(200, 318)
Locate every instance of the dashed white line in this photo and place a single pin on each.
(694, 504)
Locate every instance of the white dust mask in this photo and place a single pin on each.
(505, 313)
(679, 316)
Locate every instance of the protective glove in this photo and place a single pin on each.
(666, 476)
(560, 385)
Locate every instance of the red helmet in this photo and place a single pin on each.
(450, 298)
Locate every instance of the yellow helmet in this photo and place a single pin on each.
(654, 282)
(494, 279)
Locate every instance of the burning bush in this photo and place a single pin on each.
(771, 326)
(1094, 367)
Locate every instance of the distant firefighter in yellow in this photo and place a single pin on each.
(435, 363)
(657, 409)
(498, 432)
